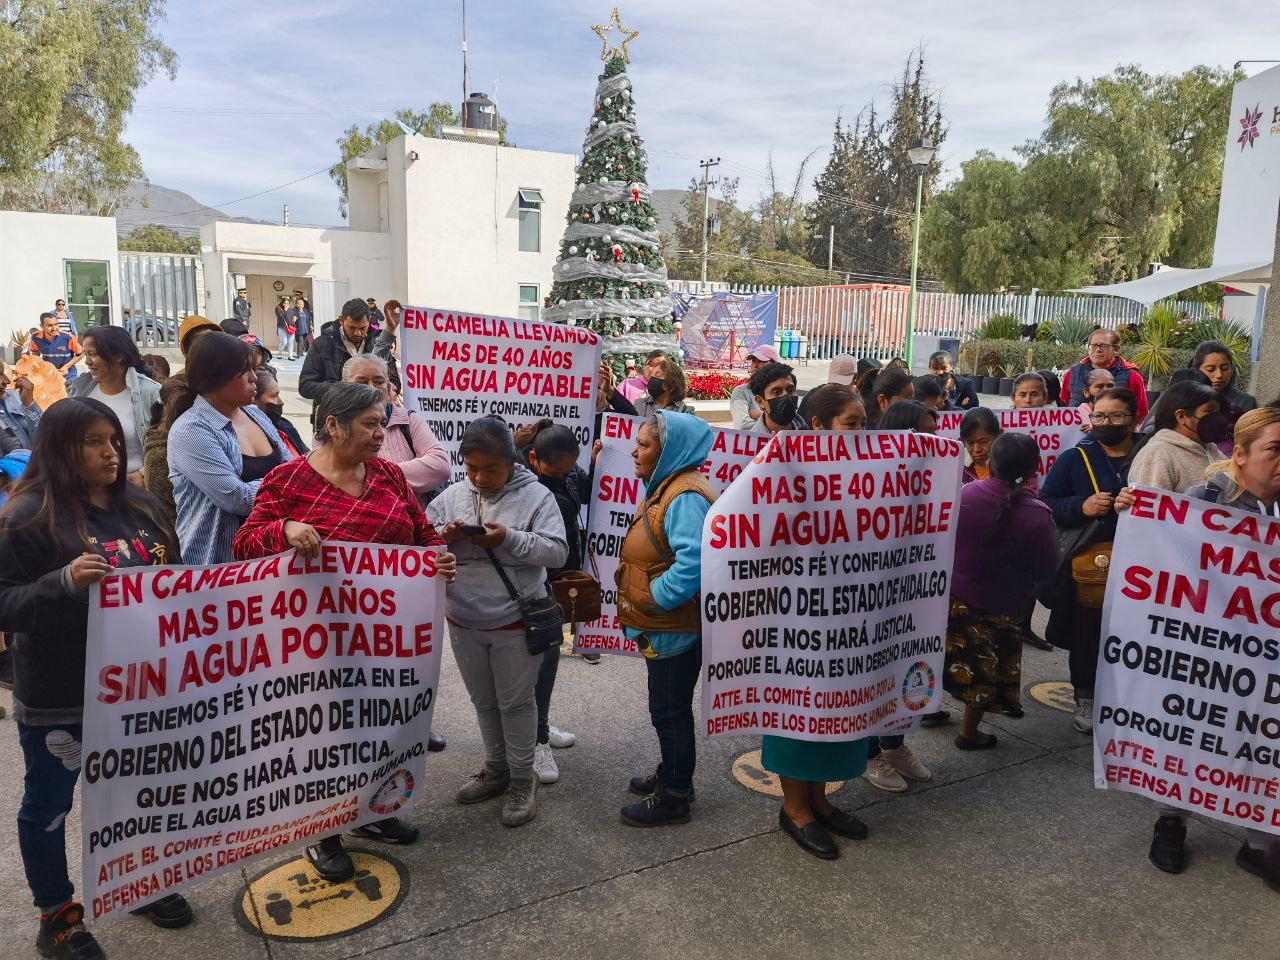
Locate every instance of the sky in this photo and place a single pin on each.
(264, 88)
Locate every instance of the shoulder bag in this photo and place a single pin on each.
(543, 626)
(577, 591)
(1091, 563)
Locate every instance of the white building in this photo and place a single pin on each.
(45, 257)
(459, 224)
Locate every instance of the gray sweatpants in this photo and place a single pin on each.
(500, 676)
(1257, 839)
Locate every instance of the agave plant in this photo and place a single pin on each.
(1153, 352)
(1072, 331)
(1232, 335)
(1000, 326)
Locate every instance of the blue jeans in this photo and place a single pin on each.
(876, 744)
(52, 756)
(671, 683)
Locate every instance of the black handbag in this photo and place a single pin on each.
(543, 621)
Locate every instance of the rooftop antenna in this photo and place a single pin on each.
(464, 51)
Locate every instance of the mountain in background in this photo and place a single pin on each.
(180, 212)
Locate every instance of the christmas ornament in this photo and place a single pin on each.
(613, 211)
(651, 221)
(648, 322)
(626, 94)
(604, 181)
(602, 30)
(635, 191)
(585, 215)
(573, 250)
(608, 239)
(621, 168)
(617, 253)
(560, 303)
(623, 215)
(608, 101)
(631, 154)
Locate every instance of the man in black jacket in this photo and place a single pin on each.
(960, 391)
(338, 342)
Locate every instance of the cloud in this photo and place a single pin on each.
(264, 89)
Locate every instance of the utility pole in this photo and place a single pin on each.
(706, 166)
(464, 61)
(831, 247)
(285, 217)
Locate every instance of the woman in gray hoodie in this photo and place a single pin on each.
(525, 533)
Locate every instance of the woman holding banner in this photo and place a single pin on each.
(1081, 490)
(666, 389)
(659, 578)
(1005, 544)
(72, 519)
(508, 531)
(1248, 480)
(342, 491)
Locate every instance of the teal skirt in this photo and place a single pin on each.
(814, 762)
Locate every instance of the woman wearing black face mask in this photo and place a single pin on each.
(268, 401)
(665, 391)
(1189, 425)
(1081, 491)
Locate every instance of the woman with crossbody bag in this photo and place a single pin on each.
(1080, 489)
(506, 531)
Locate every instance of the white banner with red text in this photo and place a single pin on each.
(1187, 701)
(1055, 429)
(615, 494)
(234, 709)
(826, 573)
(459, 366)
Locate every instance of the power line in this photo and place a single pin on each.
(230, 203)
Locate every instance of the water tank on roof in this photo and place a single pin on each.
(479, 113)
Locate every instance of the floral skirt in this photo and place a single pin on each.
(984, 658)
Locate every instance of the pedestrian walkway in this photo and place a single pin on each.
(1009, 853)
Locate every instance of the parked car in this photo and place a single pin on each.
(152, 331)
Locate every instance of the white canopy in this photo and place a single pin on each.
(1171, 280)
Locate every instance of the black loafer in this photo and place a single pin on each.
(330, 860)
(435, 742)
(812, 838)
(843, 823)
(939, 718)
(391, 830)
(169, 912)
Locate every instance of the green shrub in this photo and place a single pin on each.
(1009, 358)
(999, 326)
(1044, 332)
(1073, 331)
(1234, 336)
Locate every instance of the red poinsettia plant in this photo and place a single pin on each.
(712, 384)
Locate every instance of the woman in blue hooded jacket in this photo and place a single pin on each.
(659, 579)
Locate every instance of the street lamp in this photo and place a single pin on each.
(921, 155)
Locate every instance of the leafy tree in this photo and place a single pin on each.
(1003, 225)
(425, 123)
(1154, 143)
(776, 268)
(71, 69)
(735, 229)
(153, 238)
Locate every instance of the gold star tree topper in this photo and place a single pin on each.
(605, 32)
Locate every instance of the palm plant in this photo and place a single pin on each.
(1153, 353)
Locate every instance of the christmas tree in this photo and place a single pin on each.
(611, 276)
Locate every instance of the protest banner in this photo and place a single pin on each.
(1055, 429)
(459, 366)
(1185, 705)
(826, 572)
(234, 709)
(615, 494)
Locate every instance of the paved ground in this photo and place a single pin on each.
(1006, 854)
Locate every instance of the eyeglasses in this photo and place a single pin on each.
(60, 303)
(1102, 346)
(1114, 419)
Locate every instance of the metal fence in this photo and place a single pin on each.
(158, 290)
(873, 322)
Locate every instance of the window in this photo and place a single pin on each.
(530, 308)
(530, 220)
(88, 292)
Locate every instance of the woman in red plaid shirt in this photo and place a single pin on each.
(341, 491)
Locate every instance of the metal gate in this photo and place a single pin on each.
(156, 291)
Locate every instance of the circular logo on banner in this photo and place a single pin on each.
(393, 794)
(748, 772)
(1057, 694)
(290, 902)
(918, 686)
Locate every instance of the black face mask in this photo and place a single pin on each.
(1112, 435)
(273, 410)
(1213, 428)
(656, 387)
(782, 410)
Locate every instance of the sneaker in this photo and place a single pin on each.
(560, 739)
(881, 775)
(592, 658)
(170, 913)
(63, 936)
(907, 763)
(483, 786)
(1083, 717)
(1168, 844)
(658, 809)
(391, 830)
(330, 860)
(521, 804)
(544, 764)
